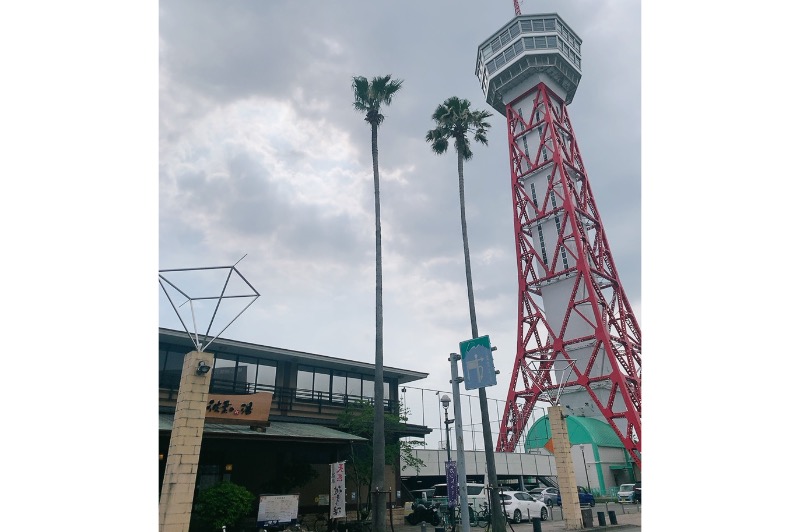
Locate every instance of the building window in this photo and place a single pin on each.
(171, 364)
(246, 375)
(368, 385)
(224, 375)
(322, 382)
(353, 385)
(305, 378)
(265, 377)
(339, 385)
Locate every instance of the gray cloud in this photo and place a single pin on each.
(262, 153)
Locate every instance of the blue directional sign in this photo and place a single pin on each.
(477, 363)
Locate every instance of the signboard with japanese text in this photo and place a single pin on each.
(337, 490)
(277, 509)
(245, 409)
(477, 363)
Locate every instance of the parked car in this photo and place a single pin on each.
(626, 493)
(535, 492)
(584, 497)
(477, 494)
(637, 492)
(546, 495)
(519, 505)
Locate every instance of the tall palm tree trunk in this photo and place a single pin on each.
(473, 319)
(498, 519)
(378, 437)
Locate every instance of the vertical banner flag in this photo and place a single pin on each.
(452, 483)
(337, 490)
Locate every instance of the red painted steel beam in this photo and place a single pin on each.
(579, 255)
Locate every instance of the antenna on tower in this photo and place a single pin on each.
(517, 12)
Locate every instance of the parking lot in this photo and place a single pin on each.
(628, 517)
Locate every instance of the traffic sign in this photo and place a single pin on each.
(477, 363)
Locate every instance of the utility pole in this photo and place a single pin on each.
(479, 372)
(461, 462)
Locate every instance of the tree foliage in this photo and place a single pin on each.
(358, 418)
(223, 505)
(369, 96)
(456, 120)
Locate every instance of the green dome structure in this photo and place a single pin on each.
(607, 459)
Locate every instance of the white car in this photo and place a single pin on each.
(477, 495)
(625, 493)
(520, 505)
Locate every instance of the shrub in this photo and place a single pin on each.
(223, 505)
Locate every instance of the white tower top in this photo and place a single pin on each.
(527, 50)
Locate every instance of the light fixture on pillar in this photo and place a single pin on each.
(202, 368)
(445, 400)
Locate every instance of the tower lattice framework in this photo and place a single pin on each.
(588, 340)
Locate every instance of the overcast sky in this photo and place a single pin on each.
(261, 154)
(228, 130)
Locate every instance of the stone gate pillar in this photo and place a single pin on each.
(565, 469)
(177, 490)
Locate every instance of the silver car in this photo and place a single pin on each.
(626, 493)
(546, 495)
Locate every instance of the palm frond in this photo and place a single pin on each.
(455, 120)
(368, 96)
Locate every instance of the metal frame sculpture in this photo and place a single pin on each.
(194, 335)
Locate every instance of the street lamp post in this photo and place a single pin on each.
(445, 400)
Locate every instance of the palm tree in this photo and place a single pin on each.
(456, 120)
(368, 98)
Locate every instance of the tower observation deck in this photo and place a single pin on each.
(577, 334)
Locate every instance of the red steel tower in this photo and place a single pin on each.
(577, 334)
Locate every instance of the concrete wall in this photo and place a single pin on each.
(506, 463)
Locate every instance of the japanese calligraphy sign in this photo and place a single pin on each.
(246, 409)
(337, 490)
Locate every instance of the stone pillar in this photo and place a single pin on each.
(565, 469)
(177, 490)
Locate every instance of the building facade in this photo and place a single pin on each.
(309, 393)
(600, 460)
